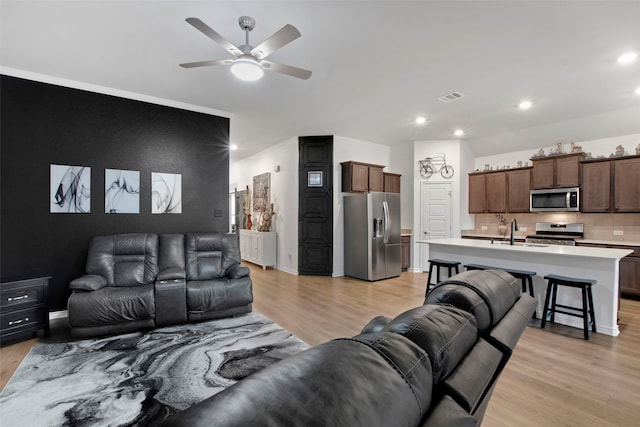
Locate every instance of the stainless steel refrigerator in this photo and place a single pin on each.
(372, 245)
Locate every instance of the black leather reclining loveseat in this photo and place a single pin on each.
(137, 281)
(434, 365)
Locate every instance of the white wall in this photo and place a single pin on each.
(597, 147)
(284, 195)
(345, 149)
(284, 191)
(402, 163)
(457, 155)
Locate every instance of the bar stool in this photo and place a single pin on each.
(450, 265)
(586, 312)
(524, 275)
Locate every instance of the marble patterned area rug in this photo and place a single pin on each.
(140, 378)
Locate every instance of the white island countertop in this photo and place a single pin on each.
(600, 264)
(579, 251)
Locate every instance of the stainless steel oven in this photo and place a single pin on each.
(557, 234)
(555, 200)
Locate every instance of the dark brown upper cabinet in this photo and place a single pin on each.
(557, 171)
(360, 177)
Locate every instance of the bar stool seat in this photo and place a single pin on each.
(586, 312)
(449, 265)
(524, 275)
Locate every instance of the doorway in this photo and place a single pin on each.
(435, 215)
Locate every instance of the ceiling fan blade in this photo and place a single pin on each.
(280, 38)
(205, 63)
(287, 69)
(207, 31)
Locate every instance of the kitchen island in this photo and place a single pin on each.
(601, 264)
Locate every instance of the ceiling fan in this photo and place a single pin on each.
(249, 62)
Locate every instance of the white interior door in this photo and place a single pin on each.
(435, 215)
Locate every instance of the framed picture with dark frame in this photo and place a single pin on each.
(314, 179)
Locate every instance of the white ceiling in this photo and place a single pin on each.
(376, 65)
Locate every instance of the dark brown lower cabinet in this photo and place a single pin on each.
(630, 274)
(406, 252)
(629, 269)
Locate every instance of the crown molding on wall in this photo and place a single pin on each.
(29, 75)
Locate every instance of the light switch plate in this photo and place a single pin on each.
(484, 228)
(618, 232)
(523, 228)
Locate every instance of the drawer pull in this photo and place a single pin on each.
(18, 298)
(17, 322)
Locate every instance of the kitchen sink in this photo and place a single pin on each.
(526, 245)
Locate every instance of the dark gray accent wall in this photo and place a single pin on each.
(44, 124)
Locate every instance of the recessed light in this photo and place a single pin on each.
(627, 58)
(421, 120)
(637, 91)
(525, 105)
(458, 132)
(233, 147)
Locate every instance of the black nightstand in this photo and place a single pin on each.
(24, 308)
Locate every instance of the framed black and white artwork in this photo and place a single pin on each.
(314, 179)
(70, 189)
(121, 191)
(166, 193)
(261, 191)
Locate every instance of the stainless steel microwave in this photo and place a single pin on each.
(555, 200)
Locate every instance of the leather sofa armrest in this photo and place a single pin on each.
(376, 324)
(236, 271)
(171, 302)
(175, 273)
(88, 283)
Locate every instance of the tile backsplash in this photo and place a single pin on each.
(622, 227)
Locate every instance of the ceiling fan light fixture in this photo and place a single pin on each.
(246, 68)
(525, 104)
(627, 58)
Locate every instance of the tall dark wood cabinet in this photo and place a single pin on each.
(519, 186)
(477, 194)
(626, 185)
(406, 252)
(596, 187)
(496, 190)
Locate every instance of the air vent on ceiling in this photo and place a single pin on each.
(453, 96)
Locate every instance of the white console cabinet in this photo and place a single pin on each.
(259, 247)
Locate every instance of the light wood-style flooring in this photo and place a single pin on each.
(554, 377)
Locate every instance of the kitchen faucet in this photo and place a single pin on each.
(514, 228)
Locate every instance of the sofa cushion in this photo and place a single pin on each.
(338, 383)
(209, 255)
(171, 262)
(447, 413)
(487, 294)
(111, 305)
(446, 333)
(474, 377)
(88, 282)
(124, 259)
(212, 295)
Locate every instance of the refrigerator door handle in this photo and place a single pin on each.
(385, 208)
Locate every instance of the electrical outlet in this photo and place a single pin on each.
(523, 228)
(484, 228)
(618, 232)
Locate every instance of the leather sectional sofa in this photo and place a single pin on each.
(141, 280)
(434, 365)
